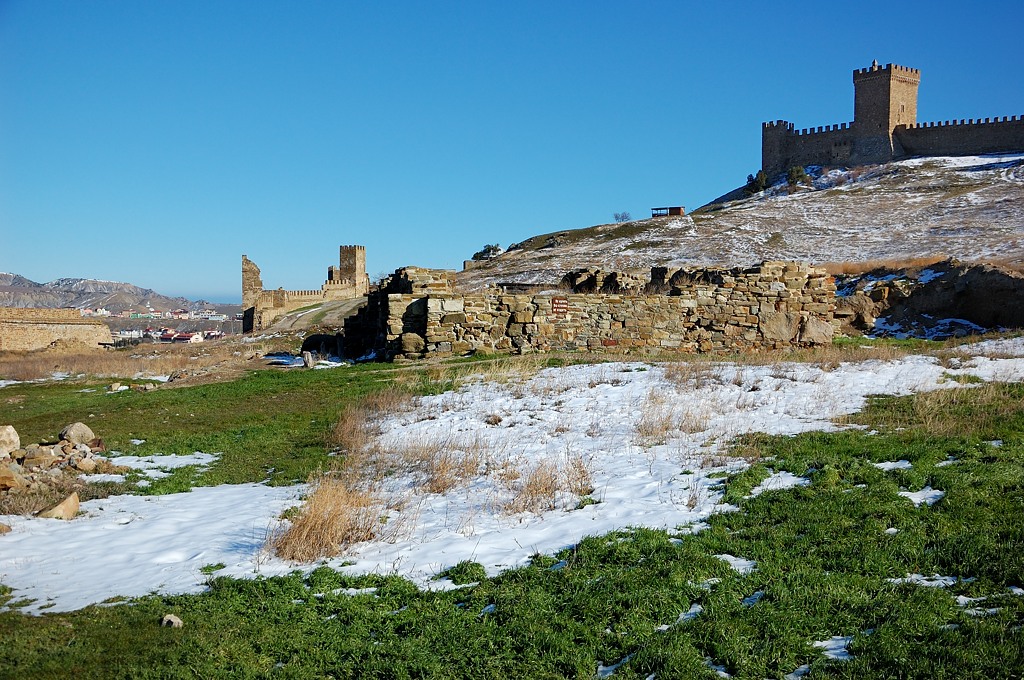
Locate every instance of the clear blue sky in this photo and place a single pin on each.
(156, 142)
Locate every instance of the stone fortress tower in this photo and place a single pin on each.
(261, 307)
(885, 128)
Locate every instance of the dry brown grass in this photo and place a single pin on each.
(693, 372)
(657, 420)
(854, 268)
(148, 359)
(334, 516)
(578, 477)
(28, 502)
(441, 464)
(536, 490)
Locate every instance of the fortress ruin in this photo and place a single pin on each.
(418, 313)
(27, 329)
(885, 128)
(261, 307)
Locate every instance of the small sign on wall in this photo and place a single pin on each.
(559, 307)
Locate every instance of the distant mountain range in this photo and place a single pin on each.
(969, 207)
(18, 291)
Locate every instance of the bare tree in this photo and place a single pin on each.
(622, 217)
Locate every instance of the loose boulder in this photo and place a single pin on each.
(9, 440)
(171, 621)
(413, 343)
(779, 326)
(9, 479)
(816, 332)
(77, 433)
(66, 509)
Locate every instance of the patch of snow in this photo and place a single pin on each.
(835, 647)
(948, 461)
(690, 614)
(607, 671)
(752, 599)
(739, 564)
(798, 673)
(134, 545)
(933, 581)
(101, 477)
(153, 465)
(892, 531)
(928, 275)
(977, 611)
(718, 669)
(777, 481)
(927, 495)
(894, 465)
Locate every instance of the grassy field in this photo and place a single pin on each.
(823, 559)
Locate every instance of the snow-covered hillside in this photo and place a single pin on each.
(969, 207)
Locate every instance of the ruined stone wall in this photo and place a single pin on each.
(26, 329)
(260, 307)
(771, 306)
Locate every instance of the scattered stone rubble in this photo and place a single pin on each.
(35, 466)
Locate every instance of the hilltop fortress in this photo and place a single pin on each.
(260, 307)
(885, 128)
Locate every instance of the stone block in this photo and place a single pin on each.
(413, 343)
(780, 326)
(816, 332)
(9, 440)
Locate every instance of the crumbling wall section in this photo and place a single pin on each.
(771, 306)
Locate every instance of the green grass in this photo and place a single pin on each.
(268, 425)
(822, 552)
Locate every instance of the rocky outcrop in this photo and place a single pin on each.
(940, 300)
(38, 466)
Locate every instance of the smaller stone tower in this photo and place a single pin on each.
(884, 97)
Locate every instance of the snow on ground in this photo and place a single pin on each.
(835, 647)
(927, 496)
(135, 545)
(652, 443)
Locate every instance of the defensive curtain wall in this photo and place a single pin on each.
(261, 307)
(885, 128)
(417, 313)
(24, 329)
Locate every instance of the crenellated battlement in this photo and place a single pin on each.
(823, 128)
(896, 69)
(968, 121)
(884, 128)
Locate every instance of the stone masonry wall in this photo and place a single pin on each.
(770, 306)
(30, 329)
